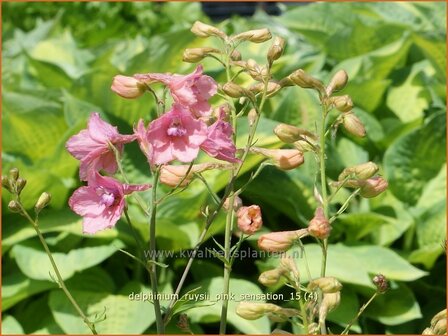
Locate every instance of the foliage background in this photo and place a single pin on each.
(58, 62)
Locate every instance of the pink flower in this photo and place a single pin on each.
(101, 202)
(127, 87)
(219, 143)
(92, 146)
(249, 219)
(142, 137)
(193, 90)
(175, 135)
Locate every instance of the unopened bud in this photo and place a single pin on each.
(235, 55)
(234, 90)
(14, 206)
(285, 82)
(302, 79)
(128, 87)
(175, 175)
(204, 30)
(252, 117)
(256, 71)
(20, 184)
(280, 241)
(271, 90)
(283, 314)
(285, 159)
(330, 301)
(440, 327)
(271, 277)
(237, 203)
(372, 187)
(193, 55)
(338, 82)
(342, 103)
(353, 124)
(249, 219)
(14, 174)
(43, 201)
(381, 283)
(256, 35)
(319, 226)
(5, 183)
(289, 267)
(306, 145)
(326, 284)
(183, 323)
(255, 310)
(362, 171)
(290, 134)
(276, 49)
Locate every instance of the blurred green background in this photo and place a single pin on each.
(58, 63)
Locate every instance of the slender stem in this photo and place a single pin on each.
(152, 250)
(61, 282)
(323, 182)
(361, 310)
(304, 315)
(345, 205)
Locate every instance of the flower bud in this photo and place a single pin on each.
(276, 49)
(235, 55)
(271, 277)
(256, 35)
(272, 88)
(127, 87)
(14, 206)
(285, 82)
(183, 323)
(338, 82)
(255, 310)
(319, 226)
(440, 327)
(353, 124)
(306, 145)
(290, 267)
(204, 30)
(5, 183)
(234, 90)
(283, 314)
(237, 203)
(326, 284)
(330, 301)
(362, 171)
(172, 175)
(252, 117)
(290, 134)
(342, 103)
(249, 219)
(20, 184)
(43, 201)
(372, 187)
(256, 71)
(14, 174)
(280, 241)
(381, 283)
(285, 159)
(302, 79)
(193, 55)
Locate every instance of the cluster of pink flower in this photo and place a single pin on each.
(177, 134)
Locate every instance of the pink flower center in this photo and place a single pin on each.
(176, 129)
(106, 198)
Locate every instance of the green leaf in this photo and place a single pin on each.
(123, 316)
(34, 262)
(11, 326)
(416, 158)
(358, 225)
(211, 314)
(435, 51)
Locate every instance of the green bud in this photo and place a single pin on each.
(342, 103)
(14, 206)
(14, 174)
(302, 79)
(20, 184)
(326, 284)
(290, 134)
(276, 49)
(338, 82)
(353, 124)
(194, 55)
(43, 201)
(256, 35)
(5, 183)
(362, 171)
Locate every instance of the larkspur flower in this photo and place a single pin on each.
(174, 135)
(127, 87)
(249, 219)
(101, 202)
(192, 90)
(92, 146)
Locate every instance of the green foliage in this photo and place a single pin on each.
(58, 64)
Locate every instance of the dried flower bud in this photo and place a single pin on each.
(14, 174)
(342, 103)
(193, 55)
(204, 30)
(280, 241)
(381, 284)
(272, 88)
(14, 206)
(5, 183)
(438, 323)
(302, 79)
(43, 201)
(283, 314)
(290, 134)
(330, 301)
(252, 117)
(127, 87)
(353, 124)
(256, 71)
(234, 90)
(249, 219)
(276, 49)
(285, 159)
(306, 145)
(326, 284)
(285, 82)
(271, 277)
(237, 203)
(235, 55)
(256, 35)
(172, 175)
(362, 171)
(319, 226)
(338, 82)
(290, 267)
(255, 310)
(372, 187)
(183, 323)
(20, 184)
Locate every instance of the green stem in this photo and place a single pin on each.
(61, 282)
(304, 316)
(323, 182)
(345, 205)
(152, 268)
(361, 310)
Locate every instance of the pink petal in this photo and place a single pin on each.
(86, 202)
(100, 130)
(81, 144)
(130, 188)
